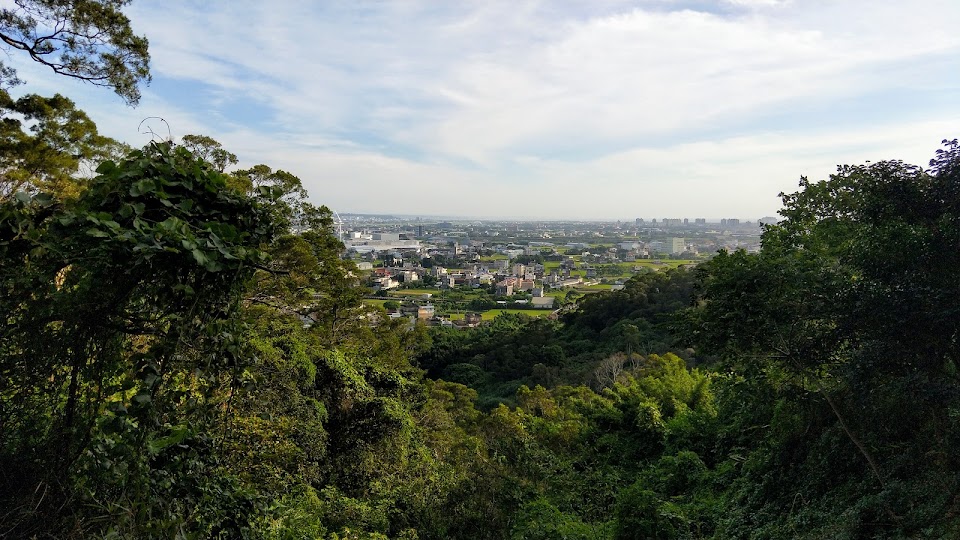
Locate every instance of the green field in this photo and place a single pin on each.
(491, 314)
(413, 292)
(597, 287)
(663, 263)
(496, 257)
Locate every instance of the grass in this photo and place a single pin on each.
(489, 315)
(597, 287)
(663, 263)
(413, 292)
(492, 313)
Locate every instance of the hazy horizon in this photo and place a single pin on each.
(429, 218)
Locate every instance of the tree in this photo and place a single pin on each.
(45, 145)
(640, 515)
(609, 370)
(631, 338)
(853, 300)
(853, 280)
(305, 276)
(120, 340)
(209, 150)
(89, 40)
(290, 196)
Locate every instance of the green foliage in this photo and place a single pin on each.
(119, 308)
(650, 297)
(89, 40)
(189, 394)
(801, 431)
(516, 350)
(285, 189)
(541, 520)
(296, 515)
(210, 151)
(45, 143)
(565, 453)
(845, 331)
(642, 515)
(185, 354)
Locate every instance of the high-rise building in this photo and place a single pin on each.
(678, 245)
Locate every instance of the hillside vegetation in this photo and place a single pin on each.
(185, 354)
(176, 362)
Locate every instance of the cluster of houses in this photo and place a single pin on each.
(426, 314)
(409, 263)
(506, 279)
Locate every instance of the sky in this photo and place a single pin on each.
(552, 109)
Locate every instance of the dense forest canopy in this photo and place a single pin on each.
(229, 382)
(185, 354)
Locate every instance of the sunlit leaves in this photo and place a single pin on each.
(47, 144)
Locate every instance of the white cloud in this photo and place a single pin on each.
(406, 106)
(758, 3)
(643, 74)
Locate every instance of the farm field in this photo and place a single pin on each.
(593, 288)
(413, 292)
(490, 314)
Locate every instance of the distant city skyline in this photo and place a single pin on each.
(428, 219)
(525, 109)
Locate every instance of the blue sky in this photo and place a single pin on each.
(600, 109)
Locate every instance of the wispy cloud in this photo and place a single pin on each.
(657, 107)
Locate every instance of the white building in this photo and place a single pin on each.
(678, 245)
